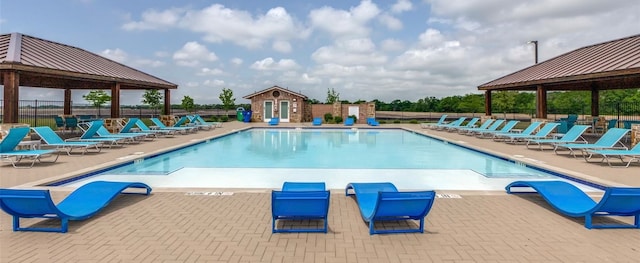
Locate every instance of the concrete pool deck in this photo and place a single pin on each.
(173, 226)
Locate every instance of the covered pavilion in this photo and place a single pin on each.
(610, 65)
(33, 62)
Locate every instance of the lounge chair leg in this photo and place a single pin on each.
(371, 228)
(637, 221)
(65, 225)
(587, 222)
(422, 225)
(16, 223)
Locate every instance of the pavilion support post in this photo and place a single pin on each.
(11, 97)
(487, 103)
(67, 101)
(167, 102)
(595, 100)
(541, 102)
(115, 101)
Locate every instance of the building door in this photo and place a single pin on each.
(268, 110)
(354, 110)
(284, 111)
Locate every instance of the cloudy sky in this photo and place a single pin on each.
(363, 49)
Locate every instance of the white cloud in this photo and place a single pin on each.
(220, 24)
(401, 6)
(340, 23)
(150, 63)
(359, 51)
(282, 46)
(192, 53)
(236, 61)
(391, 45)
(208, 71)
(390, 22)
(155, 20)
(117, 55)
(269, 64)
(214, 83)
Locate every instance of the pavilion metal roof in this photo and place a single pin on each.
(610, 65)
(44, 63)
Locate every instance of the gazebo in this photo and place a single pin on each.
(605, 66)
(33, 62)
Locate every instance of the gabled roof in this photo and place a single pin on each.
(272, 89)
(54, 61)
(609, 65)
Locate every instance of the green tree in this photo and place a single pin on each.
(505, 101)
(187, 104)
(97, 98)
(152, 97)
(472, 103)
(332, 96)
(228, 101)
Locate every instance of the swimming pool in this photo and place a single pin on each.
(264, 158)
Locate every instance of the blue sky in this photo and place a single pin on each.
(363, 49)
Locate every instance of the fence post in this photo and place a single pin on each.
(618, 115)
(35, 121)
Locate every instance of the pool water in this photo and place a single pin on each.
(264, 158)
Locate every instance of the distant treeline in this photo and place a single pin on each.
(560, 102)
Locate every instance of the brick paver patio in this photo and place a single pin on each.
(171, 226)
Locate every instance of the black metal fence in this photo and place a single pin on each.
(43, 112)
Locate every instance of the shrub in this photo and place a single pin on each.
(224, 118)
(355, 119)
(328, 117)
(413, 121)
(337, 119)
(396, 121)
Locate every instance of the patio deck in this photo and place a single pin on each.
(171, 226)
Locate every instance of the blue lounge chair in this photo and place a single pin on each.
(456, 123)
(161, 126)
(609, 140)
(542, 133)
(193, 121)
(572, 136)
(91, 135)
(102, 132)
(433, 125)
(372, 122)
(571, 201)
(478, 131)
(60, 123)
(500, 136)
(300, 201)
(505, 129)
(470, 124)
(200, 120)
(9, 153)
(633, 154)
(483, 126)
(81, 204)
(51, 138)
(274, 121)
(131, 124)
(144, 128)
(317, 121)
(349, 121)
(303, 186)
(383, 202)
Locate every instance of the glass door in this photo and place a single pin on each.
(284, 111)
(268, 110)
